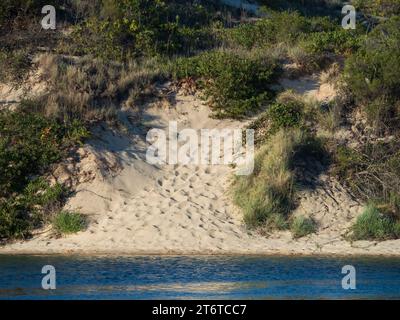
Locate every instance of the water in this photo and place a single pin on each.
(198, 278)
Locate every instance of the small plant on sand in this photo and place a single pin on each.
(302, 226)
(372, 224)
(66, 222)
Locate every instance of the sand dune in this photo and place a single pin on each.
(186, 209)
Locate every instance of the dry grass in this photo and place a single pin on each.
(91, 89)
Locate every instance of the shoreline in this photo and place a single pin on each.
(177, 253)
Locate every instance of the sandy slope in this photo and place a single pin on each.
(186, 209)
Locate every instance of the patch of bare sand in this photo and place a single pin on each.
(185, 209)
(33, 86)
(313, 87)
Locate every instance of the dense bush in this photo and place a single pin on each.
(20, 212)
(132, 28)
(372, 75)
(383, 8)
(309, 8)
(287, 115)
(29, 144)
(233, 84)
(277, 27)
(339, 41)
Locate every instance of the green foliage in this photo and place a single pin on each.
(302, 226)
(278, 27)
(309, 8)
(286, 112)
(132, 28)
(234, 85)
(287, 115)
(339, 41)
(66, 222)
(372, 74)
(383, 8)
(22, 211)
(373, 225)
(29, 144)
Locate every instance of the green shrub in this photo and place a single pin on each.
(66, 222)
(372, 75)
(29, 144)
(132, 28)
(373, 225)
(234, 85)
(383, 8)
(302, 226)
(287, 115)
(309, 8)
(336, 42)
(316, 50)
(279, 27)
(21, 212)
(286, 112)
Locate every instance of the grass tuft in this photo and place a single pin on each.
(302, 226)
(66, 222)
(374, 225)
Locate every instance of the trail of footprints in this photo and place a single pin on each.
(191, 201)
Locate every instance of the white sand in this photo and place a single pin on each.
(142, 209)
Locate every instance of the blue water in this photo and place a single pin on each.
(198, 278)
